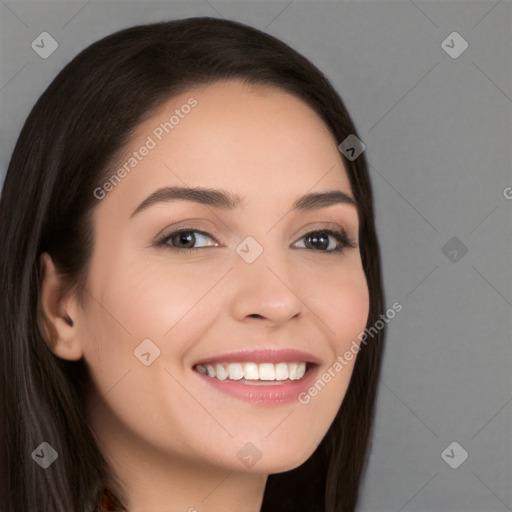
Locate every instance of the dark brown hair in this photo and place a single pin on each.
(65, 150)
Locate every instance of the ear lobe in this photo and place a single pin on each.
(55, 313)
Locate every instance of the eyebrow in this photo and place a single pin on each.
(228, 201)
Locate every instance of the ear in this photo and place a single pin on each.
(56, 314)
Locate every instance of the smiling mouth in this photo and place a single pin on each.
(256, 373)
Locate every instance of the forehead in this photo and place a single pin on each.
(258, 141)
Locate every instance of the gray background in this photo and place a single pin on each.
(438, 137)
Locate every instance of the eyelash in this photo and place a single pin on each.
(341, 236)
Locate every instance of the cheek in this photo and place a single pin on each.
(343, 305)
(147, 300)
(135, 301)
(353, 308)
(342, 302)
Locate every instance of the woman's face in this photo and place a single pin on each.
(264, 287)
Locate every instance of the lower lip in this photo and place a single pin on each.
(283, 392)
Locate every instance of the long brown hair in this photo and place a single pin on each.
(65, 150)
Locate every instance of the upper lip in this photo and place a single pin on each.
(267, 355)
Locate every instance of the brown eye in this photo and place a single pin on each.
(184, 240)
(187, 238)
(327, 240)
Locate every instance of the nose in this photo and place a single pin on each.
(265, 291)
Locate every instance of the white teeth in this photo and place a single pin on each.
(251, 371)
(221, 372)
(235, 371)
(267, 371)
(254, 371)
(281, 371)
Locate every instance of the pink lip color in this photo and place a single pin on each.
(263, 356)
(277, 394)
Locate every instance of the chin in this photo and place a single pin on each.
(281, 462)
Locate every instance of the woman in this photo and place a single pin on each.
(142, 375)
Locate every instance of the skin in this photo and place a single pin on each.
(170, 437)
